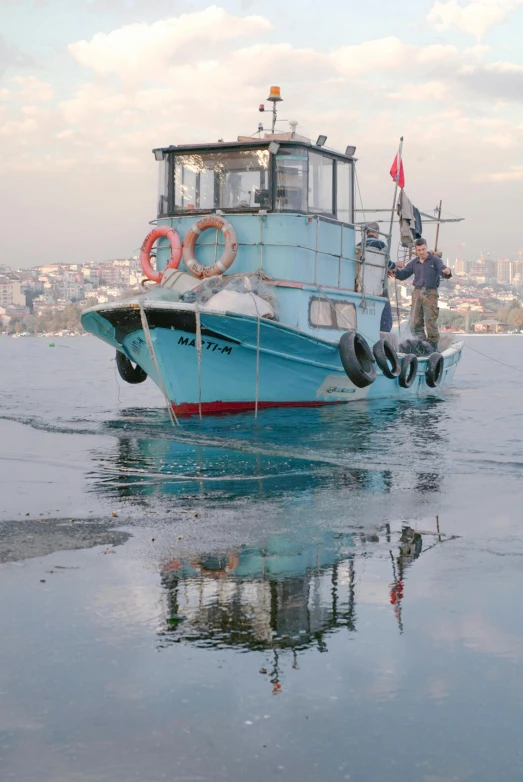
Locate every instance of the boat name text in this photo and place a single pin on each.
(212, 346)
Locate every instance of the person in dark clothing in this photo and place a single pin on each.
(374, 242)
(427, 269)
(373, 239)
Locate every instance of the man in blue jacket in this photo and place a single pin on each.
(427, 269)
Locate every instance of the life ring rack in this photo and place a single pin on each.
(229, 253)
(145, 252)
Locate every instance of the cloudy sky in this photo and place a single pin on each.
(89, 87)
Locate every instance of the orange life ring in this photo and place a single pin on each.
(229, 254)
(145, 253)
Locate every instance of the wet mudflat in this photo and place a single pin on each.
(328, 594)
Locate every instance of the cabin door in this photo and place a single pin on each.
(371, 273)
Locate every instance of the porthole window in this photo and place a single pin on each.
(345, 315)
(321, 313)
(330, 314)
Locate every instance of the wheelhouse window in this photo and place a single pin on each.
(291, 180)
(234, 179)
(344, 191)
(332, 314)
(305, 183)
(163, 188)
(321, 184)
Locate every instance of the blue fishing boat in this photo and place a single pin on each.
(265, 292)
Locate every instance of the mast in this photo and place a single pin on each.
(389, 239)
(389, 242)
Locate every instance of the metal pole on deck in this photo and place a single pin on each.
(395, 196)
(437, 228)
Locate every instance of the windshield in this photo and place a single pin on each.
(234, 179)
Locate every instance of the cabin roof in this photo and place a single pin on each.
(255, 143)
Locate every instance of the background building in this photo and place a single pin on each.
(505, 271)
(11, 293)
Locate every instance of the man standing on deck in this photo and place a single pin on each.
(427, 269)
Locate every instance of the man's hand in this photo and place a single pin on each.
(391, 273)
(446, 272)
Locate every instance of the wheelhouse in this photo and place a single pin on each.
(266, 175)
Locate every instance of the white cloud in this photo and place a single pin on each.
(23, 131)
(431, 91)
(475, 18)
(140, 50)
(504, 68)
(380, 53)
(32, 90)
(390, 53)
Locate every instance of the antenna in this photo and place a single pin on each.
(274, 97)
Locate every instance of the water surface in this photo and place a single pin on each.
(319, 594)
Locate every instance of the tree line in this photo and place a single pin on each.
(67, 319)
(511, 314)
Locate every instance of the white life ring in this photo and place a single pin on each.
(229, 253)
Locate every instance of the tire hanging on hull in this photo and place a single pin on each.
(434, 371)
(409, 370)
(128, 372)
(387, 358)
(357, 359)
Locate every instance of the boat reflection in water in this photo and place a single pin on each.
(286, 596)
(293, 520)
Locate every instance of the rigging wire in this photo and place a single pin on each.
(510, 366)
(359, 192)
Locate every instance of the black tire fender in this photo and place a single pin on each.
(387, 358)
(434, 371)
(128, 372)
(357, 359)
(409, 370)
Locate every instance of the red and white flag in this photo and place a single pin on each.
(398, 176)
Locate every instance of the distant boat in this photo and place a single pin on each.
(260, 297)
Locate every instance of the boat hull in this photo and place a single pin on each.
(242, 362)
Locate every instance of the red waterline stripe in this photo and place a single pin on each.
(210, 408)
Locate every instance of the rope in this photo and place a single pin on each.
(257, 357)
(363, 301)
(257, 367)
(516, 369)
(117, 383)
(146, 331)
(260, 220)
(199, 355)
(397, 306)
